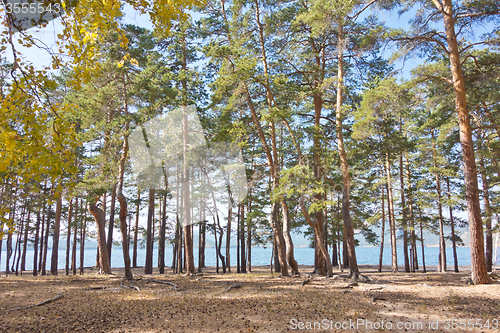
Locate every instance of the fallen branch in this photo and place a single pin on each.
(47, 301)
(234, 286)
(166, 282)
(306, 281)
(132, 286)
(95, 288)
(378, 298)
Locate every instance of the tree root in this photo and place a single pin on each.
(234, 286)
(47, 301)
(165, 282)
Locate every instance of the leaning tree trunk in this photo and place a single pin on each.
(479, 272)
(55, 237)
(100, 219)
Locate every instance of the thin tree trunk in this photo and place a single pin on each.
(55, 237)
(479, 272)
(453, 240)
(487, 210)
(422, 239)
(413, 238)
(111, 225)
(121, 197)
(382, 232)
(42, 236)
(83, 233)
(148, 267)
(405, 218)
(25, 241)
(442, 244)
(294, 267)
(136, 229)
(75, 232)
(228, 235)
(68, 238)
(46, 242)
(35, 245)
(242, 244)
(390, 211)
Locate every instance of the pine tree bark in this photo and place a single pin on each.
(294, 267)
(382, 231)
(479, 272)
(100, 219)
(390, 210)
(123, 201)
(405, 218)
(344, 165)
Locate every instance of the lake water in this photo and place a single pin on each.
(260, 256)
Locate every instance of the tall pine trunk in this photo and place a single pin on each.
(479, 272)
(148, 267)
(390, 211)
(405, 219)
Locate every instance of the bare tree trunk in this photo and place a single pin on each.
(46, 242)
(487, 210)
(405, 218)
(25, 241)
(413, 238)
(75, 232)
(136, 229)
(148, 267)
(228, 235)
(42, 236)
(288, 239)
(55, 236)
(68, 239)
(422, 239)
(83, 233)
(382, 232)
(453, 241)
(442, 244)
(111, 225)
(390, 211)
(242, 240)
(479, 272)
(35, 245)
(100, 219)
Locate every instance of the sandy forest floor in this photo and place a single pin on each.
(263, 302)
